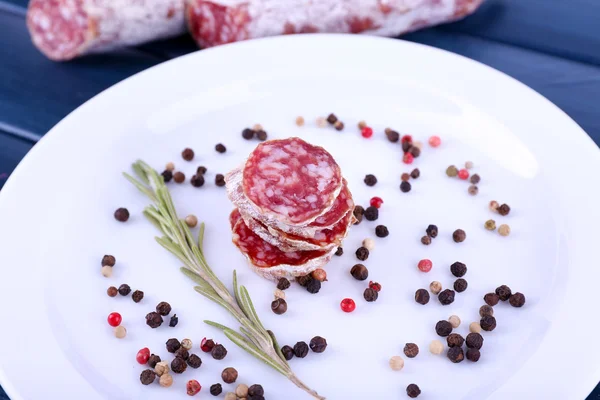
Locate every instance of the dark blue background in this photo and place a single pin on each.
(552, 46)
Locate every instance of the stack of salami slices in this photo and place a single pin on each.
(293, 208)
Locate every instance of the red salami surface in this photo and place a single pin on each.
(342, 204)
(65, 29)
(291, 180)
(216, 22)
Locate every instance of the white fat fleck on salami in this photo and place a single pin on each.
(291, 179)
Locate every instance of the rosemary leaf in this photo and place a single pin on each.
(216, 325)
(252, 350)
(277, 348)
(236, 290)
(139, 171)
(248, 304)
(140, 186)
(201, 238)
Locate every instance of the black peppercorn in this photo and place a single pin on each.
(413, 391)
(201, 170)
(122, 214)
(182, 353)
(216, 389)
(475, 179)
(446, 297)
(422, 296)
(517, 300)
(405, 177)
(229, 375)
(456, 354)
(153, 360)
(279, 306)
(432, 231)
(300, 349)
(359, 272)
(178, 365)
(443, 328)
(313, 286)
(153, 320)
(455, 340)
(339, 125)
(370, 180)
(459, 236)
(488, 323)
(248, 133)
(405, 187)
(179, 177)
(339, 251)
(197, 180)
(220, 148)
(411, 350)
(460, 285)
(218, 352)
(287, 352)
(261, 135)
(491, 299)
(358, 212)
(415, 151)
(331, 118)
(371, 213)
(458, 269)
(194, 361)
(112, 291)
(173, 345)
(370, 294)
(108, 260)
(283, 284)
(415, 173)
(406, 145)
(220, 180)
(187, 154)
(486, 310)
(426, 240)
(256, 390)
(163, 308)
(174, 321)
(137, 296)
(147, 376)
(381, 231)
(503, 292)
(392, 135)
(303, 280)
(473, 355)
(167, 175)
(474, 341)
(504, 209)
(318, 344)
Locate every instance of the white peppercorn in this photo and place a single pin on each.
(230, 396)
(300, 121)
(454, 321)
(120, 332)
(161, 368)
(369, 244)
(504, 230)
(241, 390)
(436, 347)
(321, 122)
(106, 271)
(396, 363)
(166, 380)
(186, 344)
(474, 327)
(435, 287)
(279, 294)
(170, 167)
(494, 206)
(469, 164)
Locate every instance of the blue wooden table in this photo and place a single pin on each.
(552, 46)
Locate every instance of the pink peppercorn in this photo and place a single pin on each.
(193, 387)
(463, 174)
(348, 305)
(366, 132)
(376, 202)
(435, 141)
(425, 265)
(408, 158)
(375, 286)
(114, 319)
(406, 138)
(143, 356)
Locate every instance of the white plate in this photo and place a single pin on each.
(56, 212)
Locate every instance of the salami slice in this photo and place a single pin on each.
(218, 22)
(342, 204)
(272, 263)
(294, 181)
(65, 29)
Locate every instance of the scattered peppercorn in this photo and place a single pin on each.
(406, 145)
(248, 133)
(124, 289)
(473, 355)
(436, 347)
(220, 180)
(167, 175)
(182, 353)
(318, 344)
(173, 345)
(112, 291)
(358, 212)
(517, 300)
(474, 327)
(469, 165)
(220, 148)
(106, 271)
(415, 151)
(460, 285)
(411, 350)
(193, 387)
(493, 206)
(339, 251)
(261, 135)
(255, 390)
(197, 180)
(396, 363)
(491, 299)
(287, 352)
(392, 135)
(153, 360)
(218, 352)
(319, 274)
(108, 260)
(503, 292)
(463, 174)
(456, 354)
(475, 179)
(435, 141)
(488, 323)
(370, 180)
(321, 122)
(178, 365)
(370, 294)
(415, 173)
(191, 220)
(426, 240)
(368, 244)
(347, 305)
(187, 154)
(179, 177)
(362, 253)
(490, 225)
(359, 272)
(381, 231)
(122, 214)
(166, 380)
(229, 375)
(201, 170)
(207, 345)
(163, 308)
(443, 328)
(279, 306)
(170, 166)
(503, 210)
(279, 294)
(303, 280)
(473, 190)
(454, 321)
(137, 296)
(362, 124)
(446, 297)
(504, 230)
(474, 340)
(216, 389)
(283, 284)
(147, 376)
(371, 213)
(405, 177)
(375, 286)
(459, 236)
(435, 287)
(432, 231)
(422, 296)
(425, 265)
(486, 310)
(300, 349)
(405, 187)
(452, 171)
(174, 320)
(458, 269)
(114, 319)
(313, 286)
(413, 391)
(120, 332)
(331, 118)
(339, 125)
(455, 340)
(241, 391)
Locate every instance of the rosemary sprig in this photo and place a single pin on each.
(179, 240)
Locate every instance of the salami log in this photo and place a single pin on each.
(269, 261)
(65, 29)
(217, 22)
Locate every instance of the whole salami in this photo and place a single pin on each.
(217, 22)
(65, 29)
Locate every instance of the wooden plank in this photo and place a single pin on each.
(36, 93)
(12, 150)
